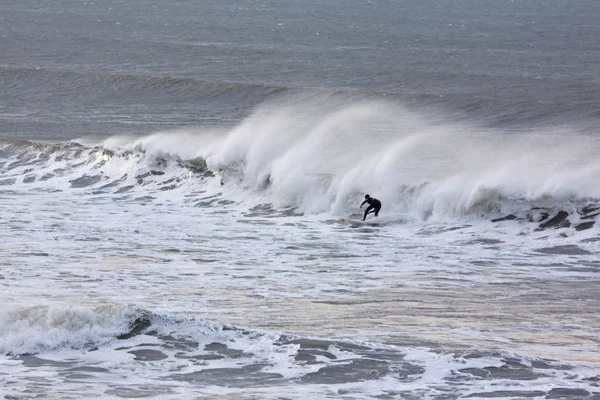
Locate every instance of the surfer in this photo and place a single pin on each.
(374, 206)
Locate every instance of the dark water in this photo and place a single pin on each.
(75, 68)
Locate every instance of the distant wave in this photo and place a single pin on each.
(131, 84)
(488, 110)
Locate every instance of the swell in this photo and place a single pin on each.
(129, 85)
(578, 105)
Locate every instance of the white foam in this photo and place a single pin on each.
(43, 328)
(324, 162)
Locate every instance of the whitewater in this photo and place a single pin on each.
(214, 264)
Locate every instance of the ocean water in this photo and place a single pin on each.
(180, 186)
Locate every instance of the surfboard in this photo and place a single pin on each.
(360, 222)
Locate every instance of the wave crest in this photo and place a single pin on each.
(321, 157)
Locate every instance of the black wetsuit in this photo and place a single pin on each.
(374, 206)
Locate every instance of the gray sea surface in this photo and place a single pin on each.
(74, 68)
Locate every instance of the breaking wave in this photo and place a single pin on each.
(319, 158)
(107, 343)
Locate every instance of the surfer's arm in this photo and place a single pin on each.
(363, 203)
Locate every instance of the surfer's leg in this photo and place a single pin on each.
(368, 210)
(377, 211)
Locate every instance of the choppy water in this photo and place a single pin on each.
(179, 190)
